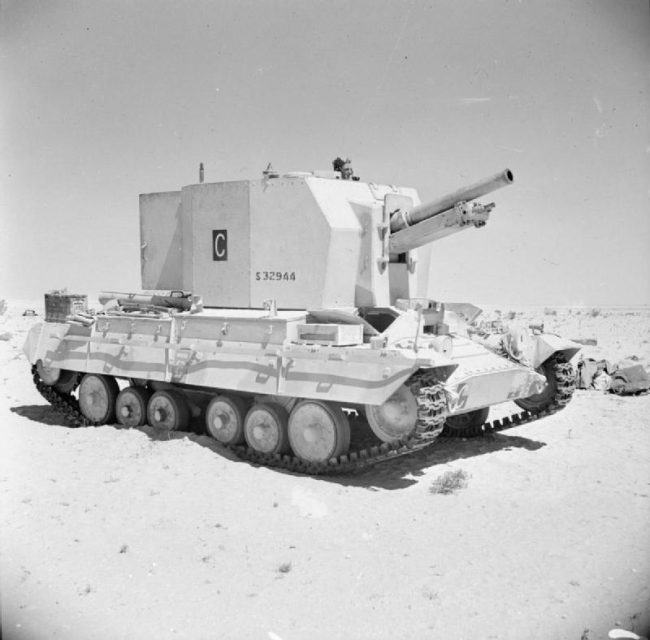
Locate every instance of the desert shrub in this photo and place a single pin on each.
(3, 307)
(550, 312)
(594, 313)
(285, 567)
(449, 482)
(511, 315)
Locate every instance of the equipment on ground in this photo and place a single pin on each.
(314, 345)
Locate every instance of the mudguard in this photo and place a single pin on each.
(546, 345)
(43, 338)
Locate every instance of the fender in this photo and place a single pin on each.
(546, 345)
(44, 338)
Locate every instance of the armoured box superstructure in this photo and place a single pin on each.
(241, 243)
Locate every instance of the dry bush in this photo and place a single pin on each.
(550, 312)
(594, 313)
(449, 482)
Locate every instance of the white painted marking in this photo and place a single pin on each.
(220, 252)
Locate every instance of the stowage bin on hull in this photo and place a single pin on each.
(319, 361)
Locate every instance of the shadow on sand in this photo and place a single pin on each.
(42, 413)
(404, 471)
(46, 414)
(397, 473)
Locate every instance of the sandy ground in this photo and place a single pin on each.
(110, 533)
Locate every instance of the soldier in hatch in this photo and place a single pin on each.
(345, 168)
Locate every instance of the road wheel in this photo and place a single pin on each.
(168, 411)
(466, 425)
(318, 431)
(97, 396)
(131, 406)
(396, 418)
(266, 428)
(224, 419)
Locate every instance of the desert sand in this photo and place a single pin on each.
(110, 533)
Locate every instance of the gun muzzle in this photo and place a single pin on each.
(404, 219)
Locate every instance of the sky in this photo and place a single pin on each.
(103, 100)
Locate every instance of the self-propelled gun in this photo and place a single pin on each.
(289, 318)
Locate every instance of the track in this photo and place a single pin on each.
(564, 378)
(432, 412)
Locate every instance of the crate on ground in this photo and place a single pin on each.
(59, 305)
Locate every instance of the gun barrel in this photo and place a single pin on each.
(439, 205)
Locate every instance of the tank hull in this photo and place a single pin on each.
(242, 351)
(184, 362)
(483, 379)
(246, 352)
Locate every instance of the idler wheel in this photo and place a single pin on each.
(266, 428)
(224, 419)
(131, 406)
(467, 425)
(318, 431)
(396, 418)
(97, 396)
(168, 411)
(61, 379)
(539, 401)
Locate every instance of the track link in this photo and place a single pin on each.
(64, 403)
(432, 412)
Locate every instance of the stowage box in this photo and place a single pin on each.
(58, 306)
